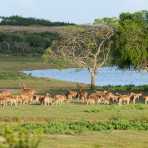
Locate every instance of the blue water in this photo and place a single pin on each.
(105, 76)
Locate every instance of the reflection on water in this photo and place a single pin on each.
(105, 76)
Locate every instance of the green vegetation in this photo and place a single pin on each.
(114, 22)
(87, 47)
(129, 46)
(21, 43)
(131, 39)
(22, 21)
(12, 77)
(21, 139)
(74, 112)
(124, 88)
(114, 139)
(71, 125)
(81, 126)
(111, 139)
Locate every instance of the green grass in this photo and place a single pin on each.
(72, 125)
(11, 76)
(114, 139)
(81, 126)
(74, 112)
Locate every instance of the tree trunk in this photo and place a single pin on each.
(93, 79)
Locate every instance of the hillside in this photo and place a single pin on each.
(30, 29)
(27, 40)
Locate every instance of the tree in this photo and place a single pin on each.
(131, 41)
(113, 21)
(24, 43)
(86, 46)
(22, 21)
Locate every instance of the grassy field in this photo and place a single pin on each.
(11, 76)
(75, 112)
(71, 125)
(36, 29)
(114, 139)
(37, 118)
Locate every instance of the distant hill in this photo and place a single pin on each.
(31, 40)
(22, 21)
(31, 29)
(28, 36)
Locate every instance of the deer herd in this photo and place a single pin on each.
(29, 96)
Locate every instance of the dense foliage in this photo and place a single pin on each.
(130, 46)
(21, 43)
(107, 21)
(86, 46)
(77, 127)
(131, 41)
(21, 21)
(21, 139)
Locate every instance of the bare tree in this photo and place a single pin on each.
(88, 47)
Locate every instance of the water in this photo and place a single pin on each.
(105, 76)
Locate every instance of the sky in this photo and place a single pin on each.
(76, 11)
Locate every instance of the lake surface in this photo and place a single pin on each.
(105, 76)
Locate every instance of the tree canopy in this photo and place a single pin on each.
(22, 21)
(130, 46)
(85, 46)
(114, 22)
(21, 43)
(131, 42)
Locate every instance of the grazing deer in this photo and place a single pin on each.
(6, 93)
(134, 97)
(27, 91)
(82, 96)
(145, 99)
(71, 94)
(124, 98)
(59, 99)
(12, 101)
(46, 100)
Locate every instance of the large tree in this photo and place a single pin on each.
(111, 21)
(85, 46)
(131, 40)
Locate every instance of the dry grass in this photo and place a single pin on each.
(114, 139)
(37, 29)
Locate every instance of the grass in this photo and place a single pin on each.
(71, 125)
(11, 77)
(74, 112)
(114, 139)
(81, 126)
(37, 29)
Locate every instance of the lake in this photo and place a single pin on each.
(105, 76)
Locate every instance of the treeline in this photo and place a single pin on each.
(129, 48)
(130, 43)
(22, 21)
(21, 43)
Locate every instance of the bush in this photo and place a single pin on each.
(21, 43)
(21, 139)
(77, 127)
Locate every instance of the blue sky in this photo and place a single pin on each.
(77, 11)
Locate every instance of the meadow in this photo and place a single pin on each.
(82, 126)
(70, 125)
(11, 75)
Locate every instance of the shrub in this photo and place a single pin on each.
(21, 139)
